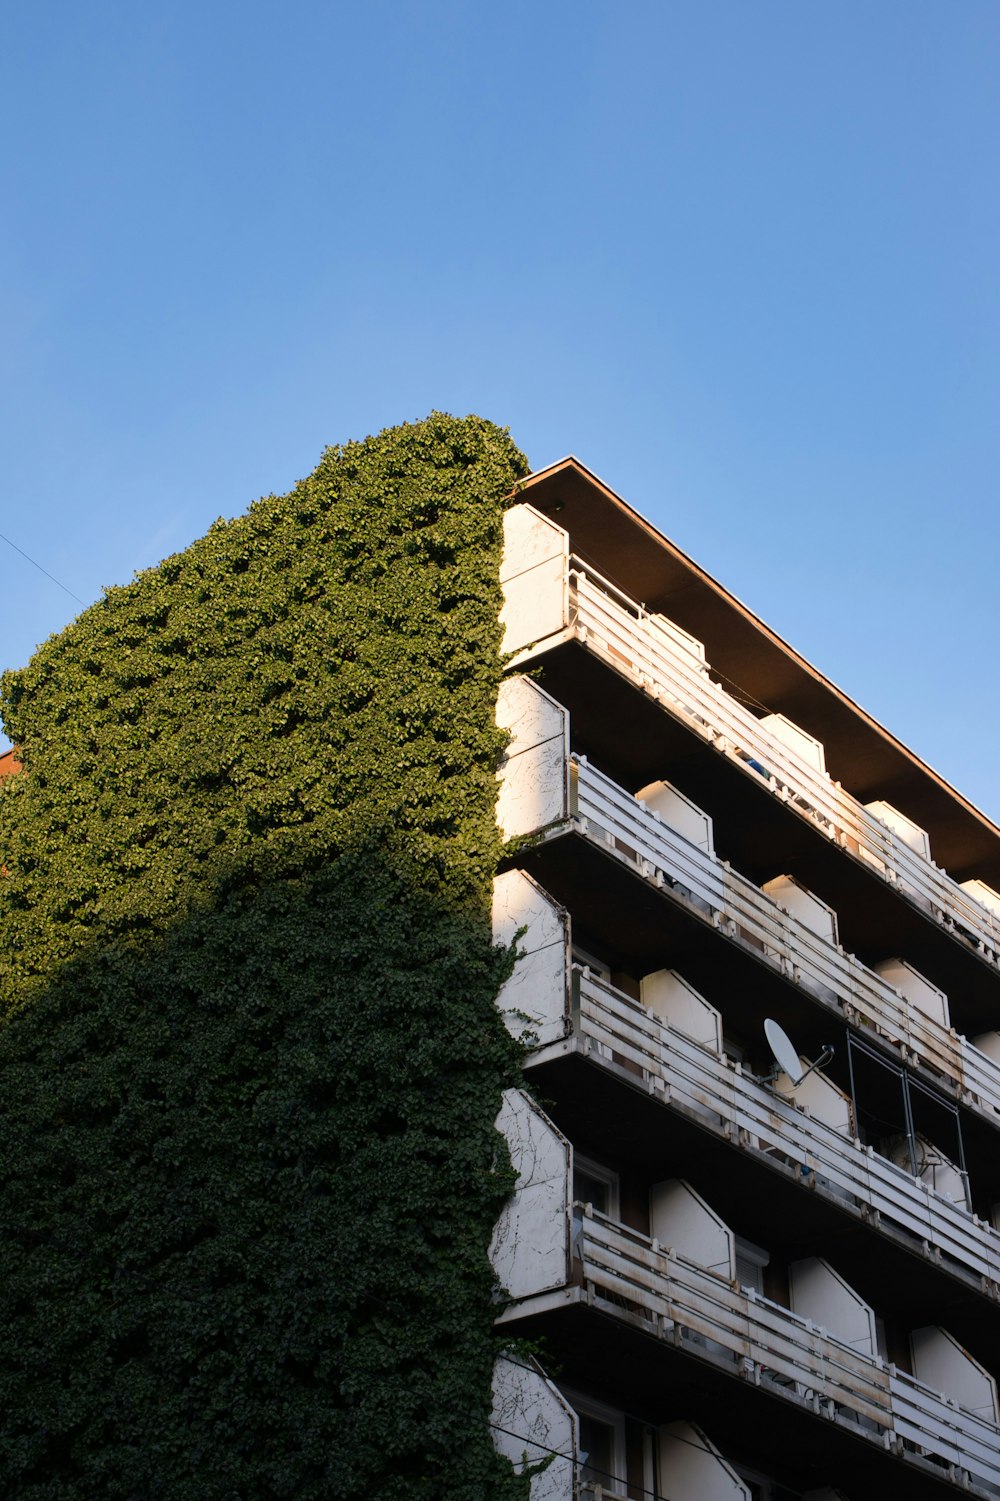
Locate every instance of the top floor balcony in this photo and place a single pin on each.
(552, 598)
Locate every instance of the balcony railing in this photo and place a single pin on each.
(618, 630)
(612, 818)
(612, 1027)
(631, 1277)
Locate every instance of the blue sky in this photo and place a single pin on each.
(740, 256)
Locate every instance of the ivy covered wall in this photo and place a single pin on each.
(251, 1061)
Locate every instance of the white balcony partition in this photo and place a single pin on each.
(915, 988)
(692, 1468)
(534, 575)
(923, 1419)
(679, 812)
(984, 895)
(803, 905)
(669, 996)
(912, 835)
(821, 1294)
(533, 778)
(680, 1218)
(534, 1427)
(931, 1166)
(806, 745)
(939, 1361)
(619, 632)
(530, 1247)
(534, 1002)
(820, 1098)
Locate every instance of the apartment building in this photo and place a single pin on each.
(754, 1248)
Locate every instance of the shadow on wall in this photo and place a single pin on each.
(250, 1177)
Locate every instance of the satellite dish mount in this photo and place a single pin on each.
(786, 1055)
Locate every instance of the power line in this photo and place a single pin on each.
(46, 572)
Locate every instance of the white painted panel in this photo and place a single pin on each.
(533, 788)
(680, 1218)
(535, 605)
(669, 996)
(529, 538)
(803, 905)
(530, 1246)
(819, 1293)
(805, 745)
(533, 1424)
(534, 1002)
(983, 894)
(904, 828)
(821, 1098)
(679, 813)
(940, 1362)
(528, 714)
(534, 574)
(679, 638)
(692, 1469)
(916, 989)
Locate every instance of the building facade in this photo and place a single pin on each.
(754, 1249)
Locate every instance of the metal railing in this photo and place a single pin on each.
(620, 631)
(613, 818)
(611, 1026)
(633, 1278)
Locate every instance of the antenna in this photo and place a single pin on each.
(786, 1055)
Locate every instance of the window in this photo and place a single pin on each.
(602, 1445)
(750, 1263)
(595, 1185)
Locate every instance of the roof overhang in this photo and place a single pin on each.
(754, 662)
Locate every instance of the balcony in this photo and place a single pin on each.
(632, 1279)
(546, 793)
(618, 1034)
(570, 600)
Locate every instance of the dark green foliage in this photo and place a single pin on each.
(252, 1060)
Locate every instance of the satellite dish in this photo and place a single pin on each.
(786, 1056)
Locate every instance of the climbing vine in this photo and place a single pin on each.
(251, 1060)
